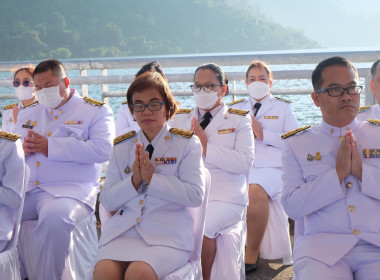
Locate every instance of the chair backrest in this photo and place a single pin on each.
(16, 229)
(199, 216)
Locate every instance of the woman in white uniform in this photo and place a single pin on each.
(271, 117)
(227, 142)
(154, 175)
(24, 88)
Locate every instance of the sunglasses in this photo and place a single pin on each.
(24, 83)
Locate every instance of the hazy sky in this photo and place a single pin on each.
(332, 23)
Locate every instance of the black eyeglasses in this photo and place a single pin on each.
(339, 91)
(153, 106)
(206, 87)
(24, 83)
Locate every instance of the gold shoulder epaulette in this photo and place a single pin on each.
(374, 121)
(9, 136)
(94, 102)
(364, 108)
(282, 99)
(181, 132)
(10, 106)
(236, 101)
(124, 102)
(238, 111)
(293, 132)
(123, 137)
(30, 104)
(184, 111)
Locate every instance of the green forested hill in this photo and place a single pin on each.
(106, 28)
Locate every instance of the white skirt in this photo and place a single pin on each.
(131, 247)
(267, 177)
(221, 215)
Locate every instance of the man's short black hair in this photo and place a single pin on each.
(316, 77)
(54, 65)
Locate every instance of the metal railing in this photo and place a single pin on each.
(298, 58)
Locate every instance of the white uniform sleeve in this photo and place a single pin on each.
(370, 181)
(274, 138)
(13, 179)
(237, 160)
(96, 149)
(188, 188)
(116, 191)
(301, 198)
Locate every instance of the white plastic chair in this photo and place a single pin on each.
(80, 260)
(193, 269)
(9, 259)
(276, 240)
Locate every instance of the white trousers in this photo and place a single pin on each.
(361, 263)
(57, 217)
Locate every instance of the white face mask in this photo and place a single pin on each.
(258, 89)
(206, 100)
(49, 97)
(24, 93)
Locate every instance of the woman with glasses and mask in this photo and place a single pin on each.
(153, 177)
(271, 117)
(227, 142)
(24, 88)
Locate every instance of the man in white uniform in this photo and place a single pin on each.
(66, 139)
(331, 176)
(372, 112)
(12, 169)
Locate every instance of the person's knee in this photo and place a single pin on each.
(108, 269)
(257, 194)
(140, 271)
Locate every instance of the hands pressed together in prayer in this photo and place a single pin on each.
(35, 143)
(142, 167)
(348, 160)
(198, 131)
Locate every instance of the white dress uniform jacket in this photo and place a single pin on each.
(124, 121)
(229, 155)
(158, 211)
(275, 117)
(8, 123)
(372, 112)
(80, 138)
(12, 168)
(336, 215)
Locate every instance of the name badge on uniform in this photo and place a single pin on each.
(270, 117)
(371, 153)
(166, 160)
(72, 122)
(226, 130)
